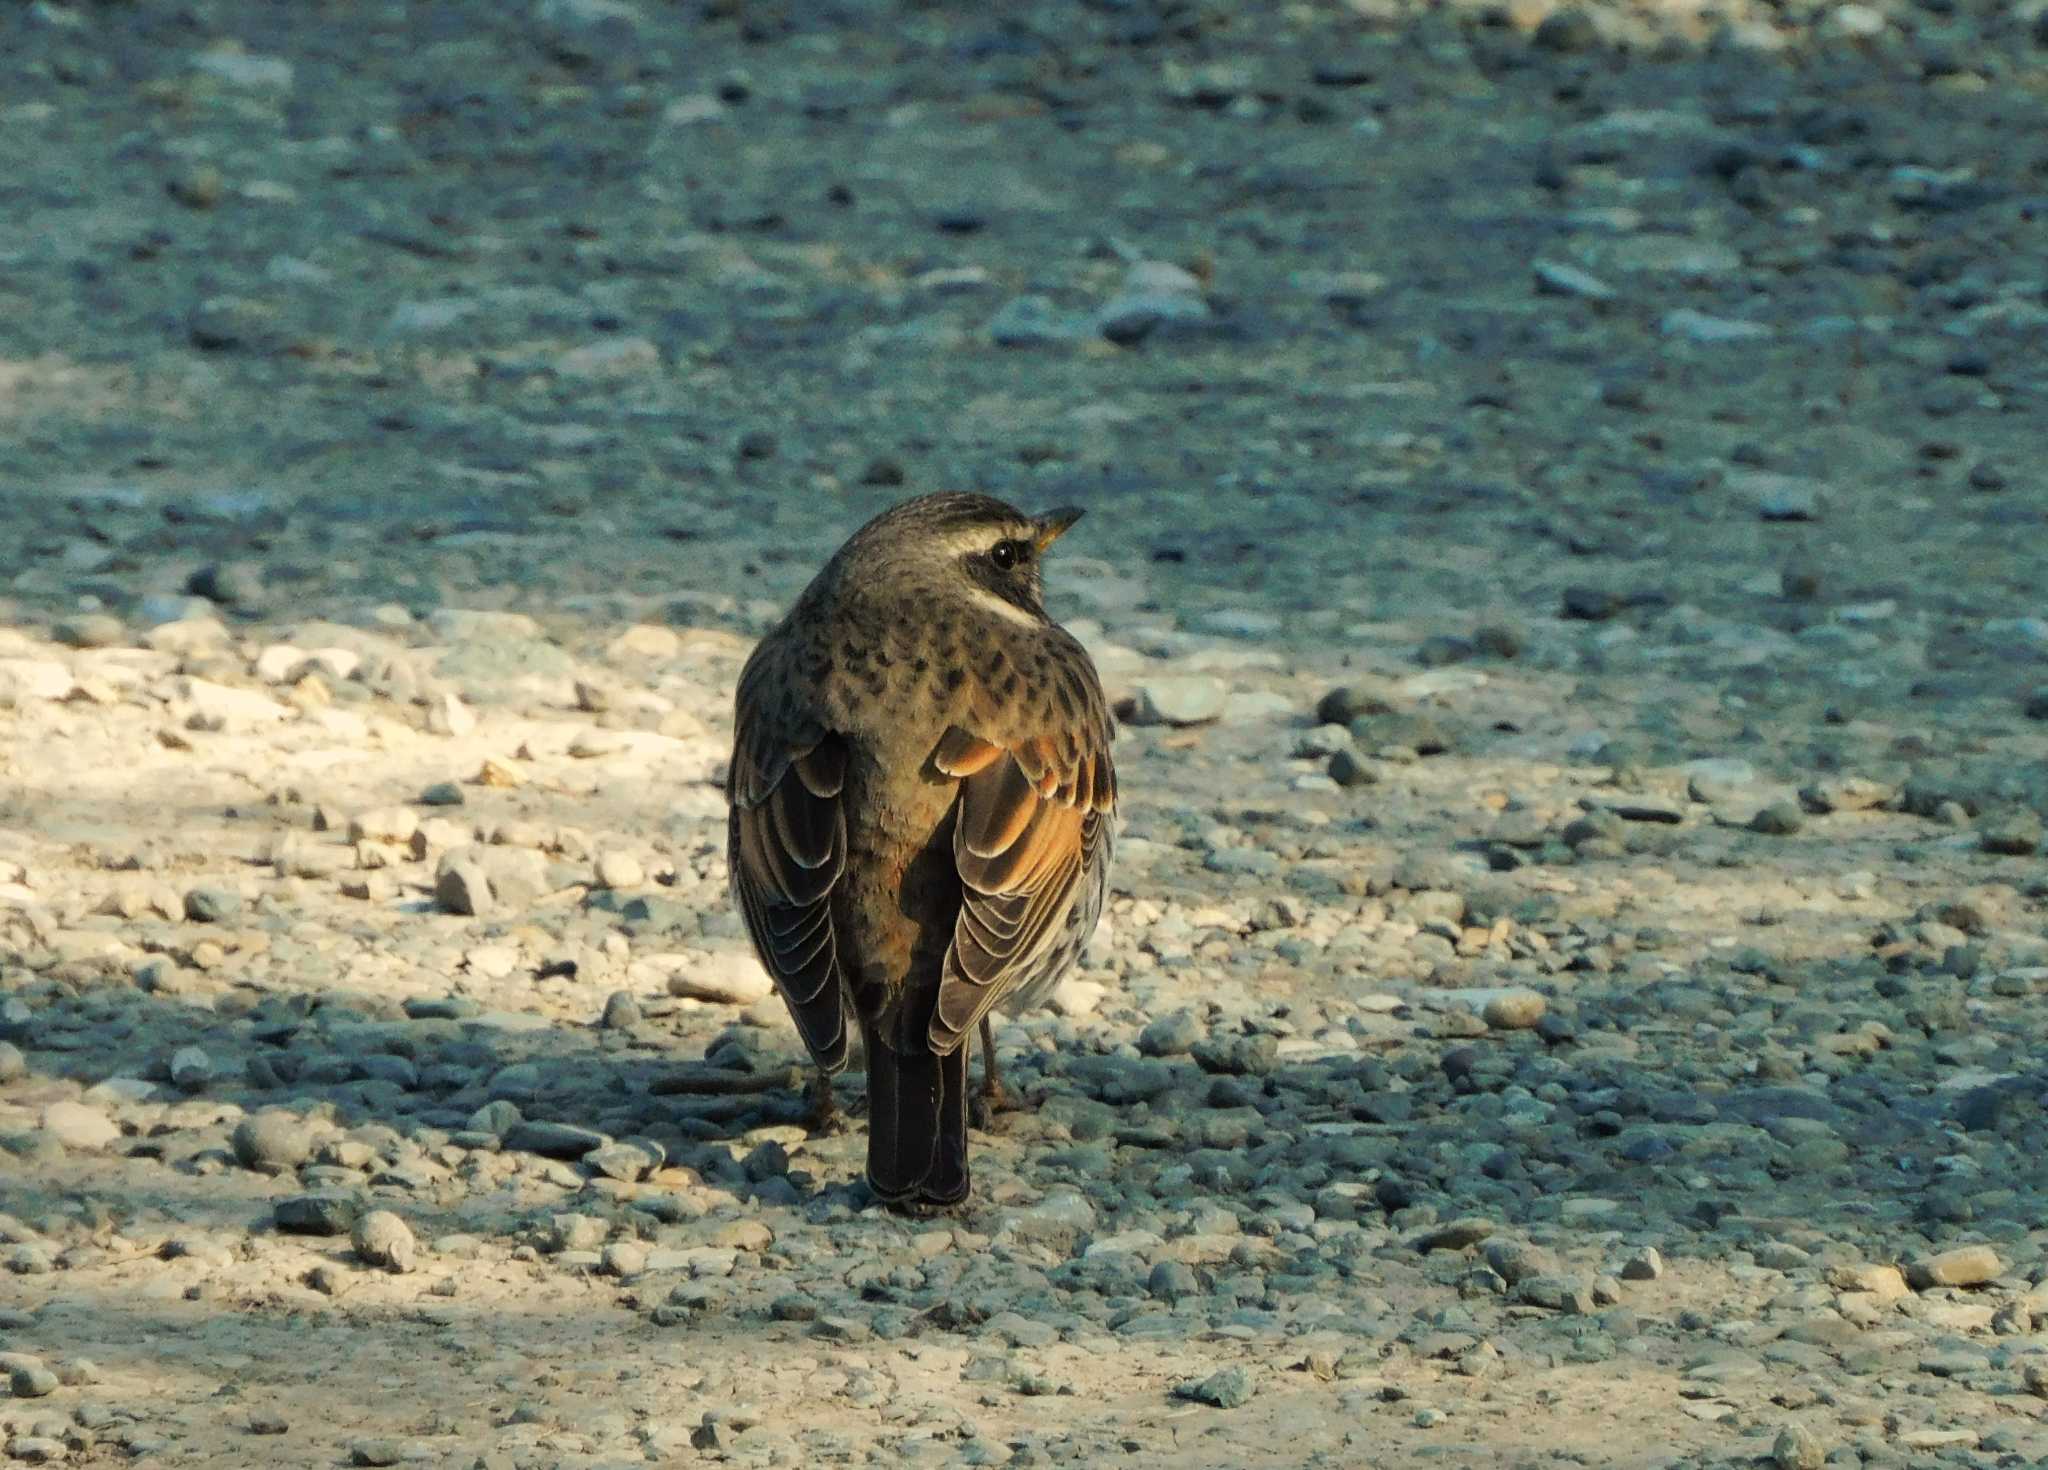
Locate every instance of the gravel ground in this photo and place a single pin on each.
(1567, 535)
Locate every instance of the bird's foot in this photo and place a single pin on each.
(824, 1118)
(986, 1108)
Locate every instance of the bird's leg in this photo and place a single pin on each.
(993, 1098)
(824, 1116)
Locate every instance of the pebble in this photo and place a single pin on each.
(315, 1214)
(1136, 316)
(448, 715)
(1887, 1283)
(625, 1162)
(1348, 768)
(91, 630)
(619, 870)
(32, 1381)
(461, 886)
(231, 584)
(1590, 604)
(383, 1240)
(1778, 497)
(2014, 833)
(1777, 819)
(1032, 321)
(1179, 700)
(621, 1011)
(724, 977)
(1170, 1036)
(1226, 1388)
(389, 824)
(1698, 327)
(76, 1126)
(1556, 278)
(1969, 1265)
(246, 69)
(1797, 1448)
(1566, 30)
(1514, 1010)
(553, 1140)
(1646, 1264)
(191, 1068)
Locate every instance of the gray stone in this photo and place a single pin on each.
(571, 1232)
(245, 69)
(77, 1126)
(1798, 1448)
(1514, 1010)
(191, 1068)
(1170, 1036)
(723, 977)
(554, 1140)
(1180, 699)
(621, 1011)
(1646, 1264)
(1226, 1388)
(1348, 768)
(1137, 316)
(32, 1381)
(1556, 278)
(1968, 1265)
(1778, 819)
(1688, 325)
(90, 630)
(1171, 1281)
(1033, 321)
(1590, 604)
(1778, 497)
(272, 1140)
(231, 584)
(461, 886)
(316, 1214)
(626, 1162)
(1567, 30)
(383, 1240)
(212, 905)
(1716, 781)
(2013, 833)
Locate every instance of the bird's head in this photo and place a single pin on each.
(960, 546)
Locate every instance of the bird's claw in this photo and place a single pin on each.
(824, 1119)
(988, 1106)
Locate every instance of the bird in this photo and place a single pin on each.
(921, 815)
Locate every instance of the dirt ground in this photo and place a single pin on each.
(1567, 531)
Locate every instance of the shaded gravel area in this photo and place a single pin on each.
(1566, 538)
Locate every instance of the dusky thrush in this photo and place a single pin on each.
(922, 804)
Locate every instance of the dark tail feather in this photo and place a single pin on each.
(917, 1123)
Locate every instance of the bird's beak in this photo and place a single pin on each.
(1056, 523)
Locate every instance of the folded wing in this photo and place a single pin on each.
(1032, 821)
(786, 847)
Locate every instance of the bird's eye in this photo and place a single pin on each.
(1006, 554)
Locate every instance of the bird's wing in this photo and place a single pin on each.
(1033, 817)
(786, 847)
